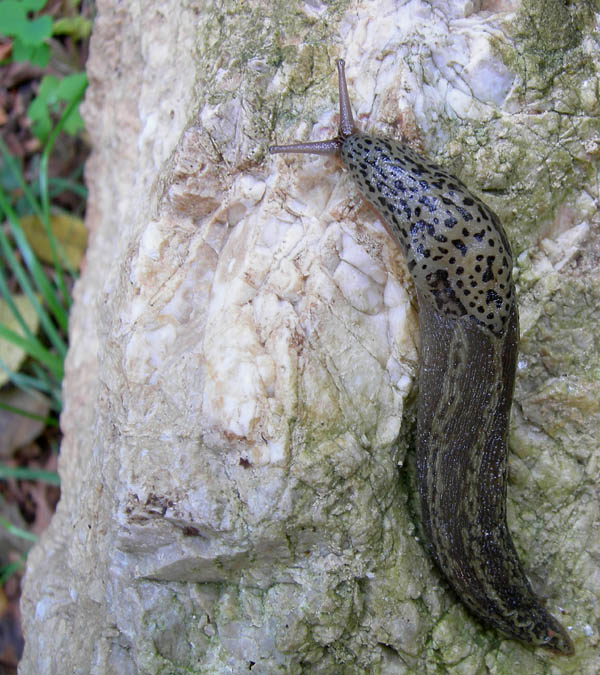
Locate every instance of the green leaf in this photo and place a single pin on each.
(34, 5)
(36, 31)
(49, 89)
(76, 27)
(70, 86)
(38, 111)
(14, 22)
(38, 114)
(52, 90)
(74, 122)
(21, 52)
(13, 16)
(38, 55)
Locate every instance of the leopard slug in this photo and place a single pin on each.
(461, 264)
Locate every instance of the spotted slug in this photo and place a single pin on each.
(461, 264)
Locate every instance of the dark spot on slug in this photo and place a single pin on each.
(460, 245)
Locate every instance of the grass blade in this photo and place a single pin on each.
(16, 171)
(48, 421)
(60, 185)
(44, 191)
(39, 383)
(8, 298)
(8, 570)
(35, 349)
(53, 386)
(18, 531)
(25, 473)
(38, 275)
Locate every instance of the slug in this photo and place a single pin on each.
(461, 264)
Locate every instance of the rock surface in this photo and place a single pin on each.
(237, 481)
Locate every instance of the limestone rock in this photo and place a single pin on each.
(236, 473)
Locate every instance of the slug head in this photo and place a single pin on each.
(346, 129)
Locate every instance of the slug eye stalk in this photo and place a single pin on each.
(346, 128)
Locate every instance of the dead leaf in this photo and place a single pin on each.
(70, 234)
(5, 50)
(17, 430)
(12, 355)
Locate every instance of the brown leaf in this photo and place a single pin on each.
(11, 354)
(68, 230)
(5, 50)
(17, 430)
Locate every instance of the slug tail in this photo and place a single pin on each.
(465, 389)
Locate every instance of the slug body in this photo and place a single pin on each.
(461, 264)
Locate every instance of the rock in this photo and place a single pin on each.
(236, 490)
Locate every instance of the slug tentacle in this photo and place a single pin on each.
(331, 147)
(346, 129)
(461, 263)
